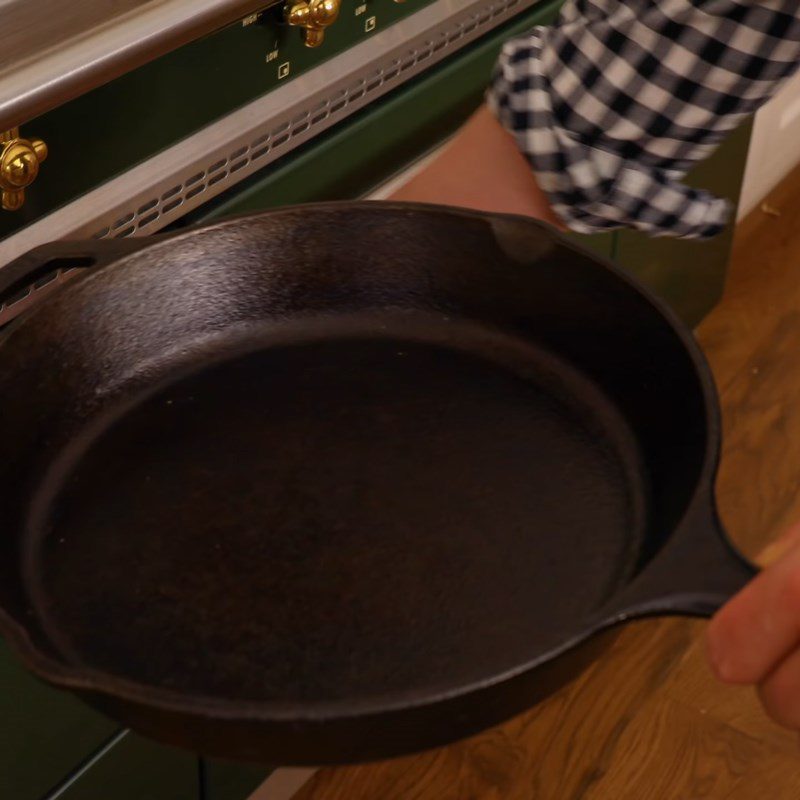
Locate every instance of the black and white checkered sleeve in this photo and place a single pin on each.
(614, 103)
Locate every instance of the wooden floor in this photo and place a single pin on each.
(649, 722)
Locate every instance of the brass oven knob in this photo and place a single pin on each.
(19, 166)
(313, 16)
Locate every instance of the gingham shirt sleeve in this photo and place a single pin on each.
(614, 103)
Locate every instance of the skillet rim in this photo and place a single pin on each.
(105, 684)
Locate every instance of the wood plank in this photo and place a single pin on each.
(692, 684)
(760, 474)
(762, 284)
(674, 752)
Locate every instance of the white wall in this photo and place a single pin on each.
(775, 147)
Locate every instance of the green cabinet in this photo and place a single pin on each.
(602, 243)
(224, 781)
(132, 768)
(43, 733)
(690, 275)
(53, 746)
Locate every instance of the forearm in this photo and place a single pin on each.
(482, 168)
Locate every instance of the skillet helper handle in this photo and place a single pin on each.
(39, 269)
(694, 574)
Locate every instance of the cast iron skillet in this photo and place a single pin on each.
(339, 482)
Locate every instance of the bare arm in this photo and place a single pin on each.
(482, 169)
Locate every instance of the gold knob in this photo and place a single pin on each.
(313, 16)
(19, 166)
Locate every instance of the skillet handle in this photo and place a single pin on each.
(694, 574)
(33, 275)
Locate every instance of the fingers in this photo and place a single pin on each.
(755, 638)
(780, 693)
(757, 630)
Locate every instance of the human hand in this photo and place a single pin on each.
(755, 638)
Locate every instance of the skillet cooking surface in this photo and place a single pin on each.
(335, 521)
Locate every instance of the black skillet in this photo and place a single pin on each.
(339, 482)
